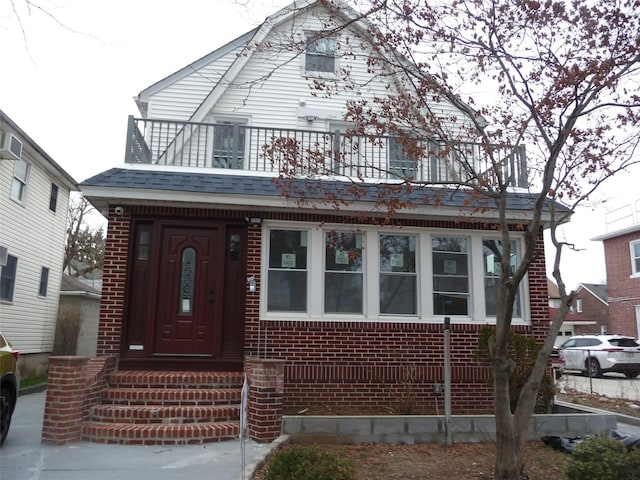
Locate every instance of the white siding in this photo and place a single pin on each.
(271, 88)
(35, 235)
(179, 100)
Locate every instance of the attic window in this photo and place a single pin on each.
(321, 54)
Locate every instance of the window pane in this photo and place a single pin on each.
(288, 249)
(343, 251)
(398, 280)
(320, 55)
(8, 278)
(229, 145)
(450, 304)
(343, 281)
(397, 253)
(20, 170)
(17, 190)
(401, 164)
(187, 278)
(53, 199)
(19, 183)
(450, 284)
(287, 291)
(343, 292)
(450, 276)
(398, 294)
(492, 257)
(44, 280)
(287, 275)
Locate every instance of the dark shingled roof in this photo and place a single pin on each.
(246, 185)
(72, 284)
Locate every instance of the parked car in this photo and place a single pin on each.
(557, 363)
(598, 354)
(9, 384)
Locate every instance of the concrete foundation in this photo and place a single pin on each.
(431, 429)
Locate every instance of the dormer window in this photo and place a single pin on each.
(321, 54)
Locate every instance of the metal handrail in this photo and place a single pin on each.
(313, 152)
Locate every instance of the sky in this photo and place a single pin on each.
(68, 78)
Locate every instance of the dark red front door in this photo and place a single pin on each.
(189, 293)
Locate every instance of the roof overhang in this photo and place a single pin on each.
(200, 188)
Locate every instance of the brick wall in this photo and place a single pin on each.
(113, 286)
(622, 289)
(379, 365)
(593, 309)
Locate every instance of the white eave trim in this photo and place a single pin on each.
(262, 202)
(617, 233)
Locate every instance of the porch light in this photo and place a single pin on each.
(254, 221)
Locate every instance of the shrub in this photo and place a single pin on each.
(603, 458)
(524, 351)
(67, 330)
(308, 463)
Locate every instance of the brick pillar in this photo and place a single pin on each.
(63, 407)
(266, 395)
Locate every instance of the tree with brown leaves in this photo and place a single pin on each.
(558, 78)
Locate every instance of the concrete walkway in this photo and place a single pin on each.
(25, 457)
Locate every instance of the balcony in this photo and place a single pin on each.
(311, 152)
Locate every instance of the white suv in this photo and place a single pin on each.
(598, 354)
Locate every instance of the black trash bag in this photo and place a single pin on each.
(630, 441)
(564, 444)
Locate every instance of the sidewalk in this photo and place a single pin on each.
(25, 457)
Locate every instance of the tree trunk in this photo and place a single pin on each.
(509, 464)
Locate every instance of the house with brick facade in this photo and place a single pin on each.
(591, 302)
(212, 269)
(622, 260)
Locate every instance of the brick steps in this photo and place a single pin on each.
(191, 434)
(169, 414)
(171, 396)
(166, 408)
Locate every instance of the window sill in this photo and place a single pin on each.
(303, 317)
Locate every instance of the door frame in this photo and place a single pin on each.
(140, 305)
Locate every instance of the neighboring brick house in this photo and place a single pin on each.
(574, 323)
(590, 301)
(622, 258)
(210, 268)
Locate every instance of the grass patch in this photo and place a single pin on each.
(32, 382)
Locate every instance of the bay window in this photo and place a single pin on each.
(374, 273)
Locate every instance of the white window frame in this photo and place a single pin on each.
(635, 260)
(371, 275)
(312, 38)
(21, 183)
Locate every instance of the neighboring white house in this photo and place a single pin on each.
(34, 197)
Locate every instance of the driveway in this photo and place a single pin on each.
(613, 385)
(25, 457)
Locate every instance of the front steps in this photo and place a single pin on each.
(166, 408)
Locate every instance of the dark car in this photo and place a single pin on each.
(9, 384)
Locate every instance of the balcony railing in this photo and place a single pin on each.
(311, 152)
